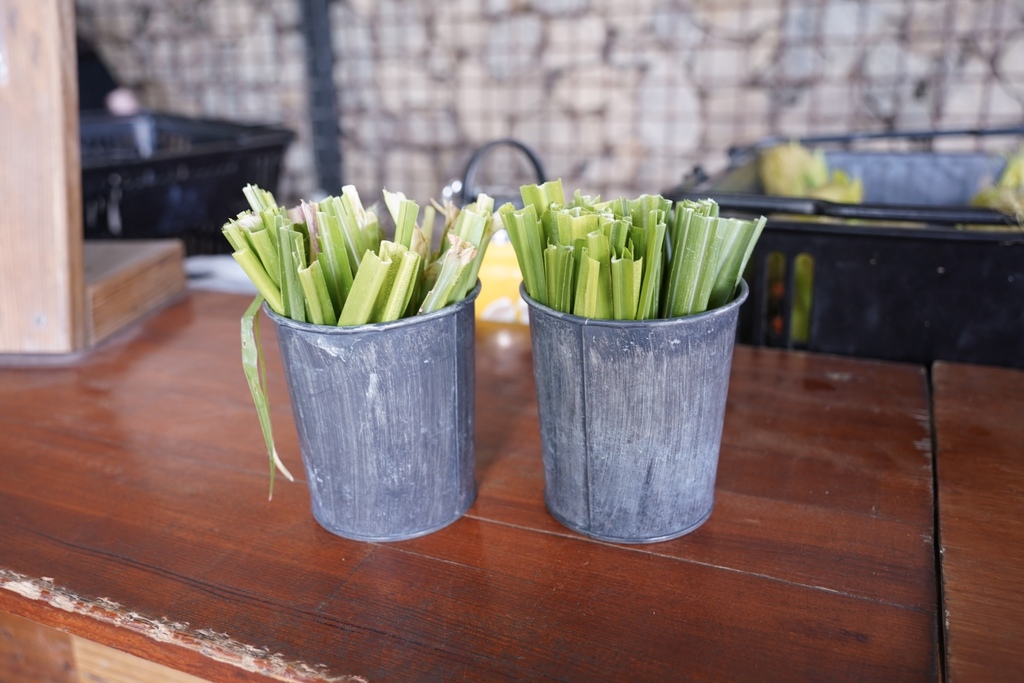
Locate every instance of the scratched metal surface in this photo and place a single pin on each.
(631, 419)
(385, 420)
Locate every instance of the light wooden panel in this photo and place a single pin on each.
(42, 297)
(101, 664)
(33, 653)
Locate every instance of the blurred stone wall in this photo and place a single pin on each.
(615, 96)
(239, 60)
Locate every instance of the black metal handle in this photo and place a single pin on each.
(469, 192)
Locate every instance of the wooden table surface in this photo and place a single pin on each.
(980, 462)
(134, 504)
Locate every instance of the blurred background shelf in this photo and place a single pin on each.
(157, 175)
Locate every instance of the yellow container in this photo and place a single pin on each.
(500, 278)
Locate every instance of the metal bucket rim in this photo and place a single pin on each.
(449, 310)
(740, 297)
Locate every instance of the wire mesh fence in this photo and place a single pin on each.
(629, 96)
(616, 96)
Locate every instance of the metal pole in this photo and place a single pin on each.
(324, 114)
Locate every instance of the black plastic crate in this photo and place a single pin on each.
(158, 175)
(881, 288)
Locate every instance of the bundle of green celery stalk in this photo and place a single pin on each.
(627, 259)
(328, 263)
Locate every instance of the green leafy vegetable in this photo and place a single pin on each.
(628, 259)
(327, 263)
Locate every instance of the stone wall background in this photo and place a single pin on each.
(616, 96)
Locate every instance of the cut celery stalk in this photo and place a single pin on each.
(421, 246)
(469, 276)
(309, 215)
(390, 253)
(699, 254)
(269, 218)
(618, 234)
(574, 228)
(627, 279)
(348, 230)
(456, 259)
(333, 258)
(599, 249)
(359, 226)
(524, 231)
(365, 287)
(426, 229)
(318, 299)
(734, 235)
(401, 289)
(683, 217)
(541, 197)
(733, 262)
(404, 213)
(648, 305)
(266, 249)
(560, 276)
(470, 225)
(235, 235)
(258, 198)
(291, 255)
(586, 304)
(264, 285)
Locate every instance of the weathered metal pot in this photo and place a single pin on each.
(631, 416)
(384, 414)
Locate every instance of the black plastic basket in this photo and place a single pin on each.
(158, 175)
(882, 288)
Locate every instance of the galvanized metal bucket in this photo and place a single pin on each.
(631, 416)
(384, 414)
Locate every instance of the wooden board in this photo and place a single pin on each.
(42, 296)
(980, 471)
(127, 279)
(33, 653)
(97, 663)
(137, 482)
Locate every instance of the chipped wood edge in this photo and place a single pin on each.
(217, 646)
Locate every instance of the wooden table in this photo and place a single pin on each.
(134, 504)
(980, 463)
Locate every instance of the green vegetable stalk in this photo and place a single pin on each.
(627, 259)
(328, 263)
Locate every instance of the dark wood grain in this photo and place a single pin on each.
(980, 472)
(136, 481)
(814, 449)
